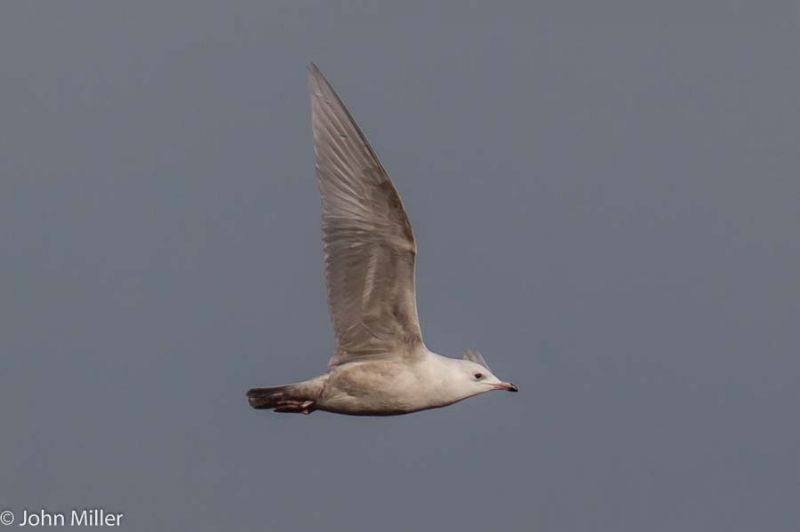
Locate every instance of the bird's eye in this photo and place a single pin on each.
(478, 376)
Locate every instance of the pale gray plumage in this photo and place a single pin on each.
(368, 242)
(477, 357)
(381, 365)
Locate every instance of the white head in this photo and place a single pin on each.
(472, 376)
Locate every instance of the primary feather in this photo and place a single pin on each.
(368, 242)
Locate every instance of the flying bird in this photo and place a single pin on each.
(381, 366)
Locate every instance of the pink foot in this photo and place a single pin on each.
(295, 407)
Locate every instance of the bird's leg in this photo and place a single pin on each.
(295, 407)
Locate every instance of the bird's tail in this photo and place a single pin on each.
(300, 397)
(268, 397)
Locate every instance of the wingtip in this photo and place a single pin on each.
(315, 77)
(314, 73)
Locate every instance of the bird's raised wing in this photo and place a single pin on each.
(367, 238)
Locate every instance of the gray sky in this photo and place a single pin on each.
(606, 204)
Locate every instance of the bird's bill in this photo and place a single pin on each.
(507, 386)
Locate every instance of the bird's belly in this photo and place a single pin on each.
(376, 391)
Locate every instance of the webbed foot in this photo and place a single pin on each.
(295, 407)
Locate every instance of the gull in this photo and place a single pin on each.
(381, 366)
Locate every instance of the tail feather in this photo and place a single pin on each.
(300, 397)
(267, 397)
